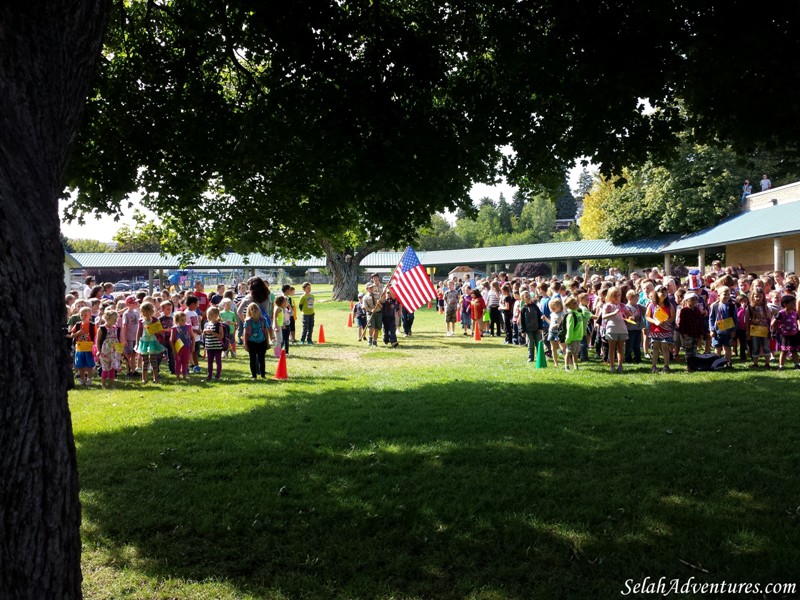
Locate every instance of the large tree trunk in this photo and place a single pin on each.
(48, 50)
(343, 267)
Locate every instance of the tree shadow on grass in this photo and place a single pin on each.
(452, 490)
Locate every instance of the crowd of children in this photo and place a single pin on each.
(625, 319)
(141, 334)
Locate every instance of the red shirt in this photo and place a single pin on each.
(477, 308)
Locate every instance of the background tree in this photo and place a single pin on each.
(593, 221)
(565, 202)
(439, 235)
(143, 236)
(537, 222)
(585, 183)
(518, 201)
(84, 245)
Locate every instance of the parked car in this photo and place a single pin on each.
(122, 286)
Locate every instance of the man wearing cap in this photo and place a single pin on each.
(374, 313)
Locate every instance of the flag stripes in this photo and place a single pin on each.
(410, 282)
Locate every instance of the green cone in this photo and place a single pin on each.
(541, 359)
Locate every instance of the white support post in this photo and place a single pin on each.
(777, 258)
(569, 267)
(667, 264)
(150, 282)
(701, 261)
(630, 266)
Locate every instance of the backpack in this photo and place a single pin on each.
(562, 329)
(786, 325)
(226, 337)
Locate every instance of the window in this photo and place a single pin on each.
(788, 260)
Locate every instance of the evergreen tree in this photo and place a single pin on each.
(565, 202)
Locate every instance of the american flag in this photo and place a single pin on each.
(410, 282)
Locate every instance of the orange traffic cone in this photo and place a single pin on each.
(321, 337)
(351, 307)
(477, 331)
(458, 316)
(350, 320)
(429, 304)
(280, 372)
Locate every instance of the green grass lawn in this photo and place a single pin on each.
(443, 469)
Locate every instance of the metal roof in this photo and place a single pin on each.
(584, 249)
(71, 261)
(775, 221)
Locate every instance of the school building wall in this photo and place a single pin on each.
(758, 256)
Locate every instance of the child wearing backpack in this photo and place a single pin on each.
(83, 333)
(530, 321)
(690, 324)
(555, 335)
(575, 331)
(722, 321)
(786, 326)
(213, 333)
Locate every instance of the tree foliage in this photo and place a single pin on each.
(79, 245)
(271, 126)
(143, 236)
(697, 188)
(439, 235)
(565, 202)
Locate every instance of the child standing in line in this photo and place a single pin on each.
(690, 324)
(554, 327)
(661, 316)
(466, 313)
(255, 340)
(757, 321)
(360, 317)
(212, 338)
(166, 321)
(228, 317)
(182, 341)
(740, 343)
(477, 308)
(193, 319)
(107, 340)
(586, 315)
(722, 323)
(575, 333)
(279, 322)
(83, 333)
(616, 330)
(633, 345)
(149, 347)
(786, 326)
(517, 335)
(306, 306)
(530, 321)
(130, 328)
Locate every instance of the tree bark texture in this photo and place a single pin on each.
(343, 267)
(48, 51)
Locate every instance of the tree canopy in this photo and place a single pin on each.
(697, 188)
(269, 126)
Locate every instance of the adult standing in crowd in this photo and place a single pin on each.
(88, 284)
(258, 293)
(765, 183)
